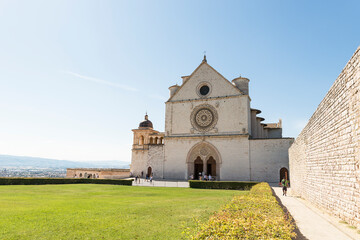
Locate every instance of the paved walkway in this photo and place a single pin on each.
(157, 183)
(313, 224)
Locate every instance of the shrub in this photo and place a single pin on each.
(256, 215)
(222, 185)
(42, 181)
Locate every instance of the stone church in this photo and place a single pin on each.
(211, 129)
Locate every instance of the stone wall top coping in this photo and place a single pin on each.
(101, 169)
(326, 97)
(270, 138)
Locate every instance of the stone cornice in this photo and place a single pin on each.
(207, 135)
(209, 98)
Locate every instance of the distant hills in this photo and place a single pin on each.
(36, 162)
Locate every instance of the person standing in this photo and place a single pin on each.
(284, 184)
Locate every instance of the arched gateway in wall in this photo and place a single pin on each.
(203, 158)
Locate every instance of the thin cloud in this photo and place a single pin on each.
(156, 96)
(104, 82)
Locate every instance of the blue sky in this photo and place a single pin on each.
(77, 76)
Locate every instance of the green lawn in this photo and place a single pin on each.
(86, 211)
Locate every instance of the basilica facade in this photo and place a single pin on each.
(211, 129)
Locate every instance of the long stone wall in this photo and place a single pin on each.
(325, 158)
(268, 156)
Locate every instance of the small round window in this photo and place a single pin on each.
(204, 90)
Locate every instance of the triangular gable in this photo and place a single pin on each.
(232, 90)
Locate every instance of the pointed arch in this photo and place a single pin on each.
(201, 145)
(198, 168)
(211, 166)
(208, 154)
(284, 173)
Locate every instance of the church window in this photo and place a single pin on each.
(141, 140)
(204, 90)
(204, 117)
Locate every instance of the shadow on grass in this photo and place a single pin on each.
(299, 235)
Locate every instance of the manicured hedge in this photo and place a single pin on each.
(256, 215)
(222, 185)
(42, 181)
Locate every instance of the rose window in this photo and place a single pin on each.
(204, 117)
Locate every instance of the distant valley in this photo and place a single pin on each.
(9, 161)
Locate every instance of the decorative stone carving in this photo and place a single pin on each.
(204, 152)
(204, 117)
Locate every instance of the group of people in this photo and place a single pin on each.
(203, 177)
(147, 177)
(86, 175)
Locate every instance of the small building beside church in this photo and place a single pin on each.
(101, 173)
(211, 129)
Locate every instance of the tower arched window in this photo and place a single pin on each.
(141, 140)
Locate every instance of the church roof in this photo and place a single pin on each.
(256, 110)
(146, 124)
(204, 61)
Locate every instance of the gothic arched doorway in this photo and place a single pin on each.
(207, 156)
(284, 173)
(149, 172)
(211, 166)
(198, 168)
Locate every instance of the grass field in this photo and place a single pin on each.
(85, 211)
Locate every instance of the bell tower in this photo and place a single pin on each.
(144, 138)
